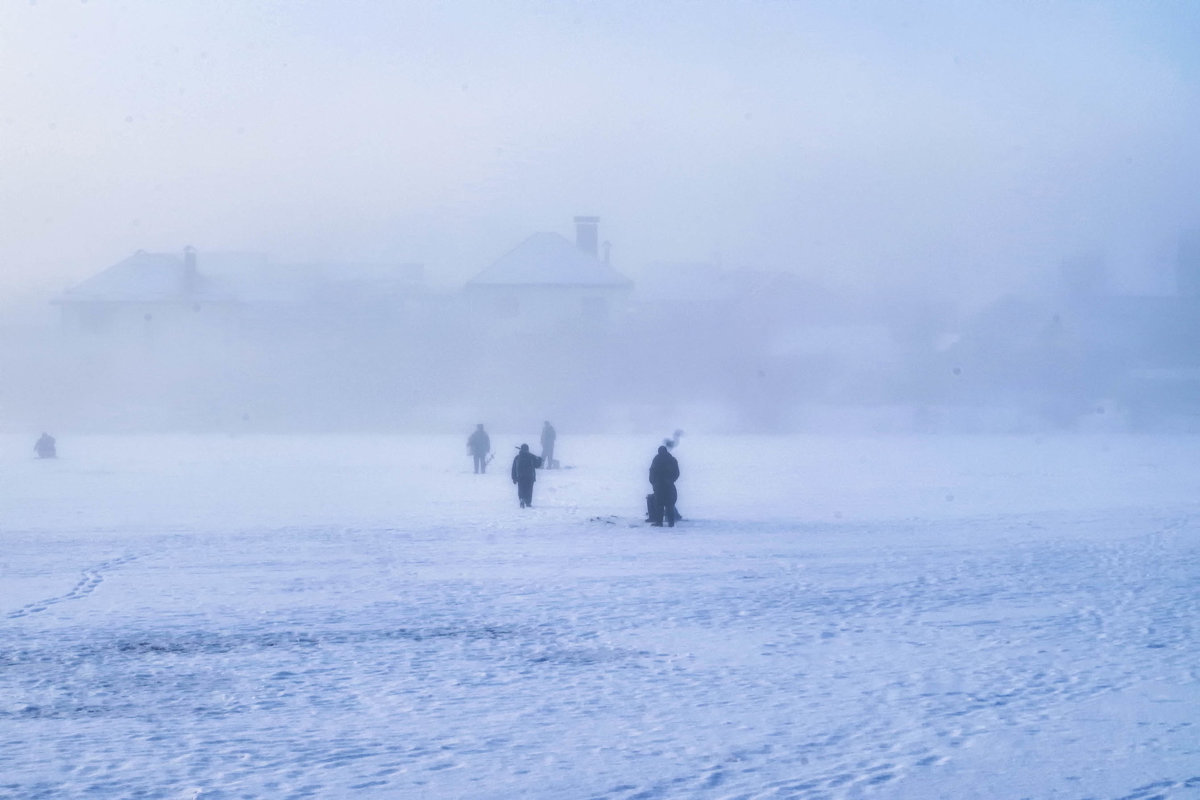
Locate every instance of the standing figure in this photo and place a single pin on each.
(548, 437)
(479, 445)
(44, 447)
(664, 471)
(524, 473)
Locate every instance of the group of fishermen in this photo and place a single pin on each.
(479, 445)
(664, 471)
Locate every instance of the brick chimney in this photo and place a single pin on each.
(587, 234)
(191, 278)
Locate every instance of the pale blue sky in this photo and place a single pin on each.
(968, 144)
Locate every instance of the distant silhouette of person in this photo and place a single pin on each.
(45, 447)
(664, 471)
(524, 473)
(548, 437)
(670, 442)
(479, 445)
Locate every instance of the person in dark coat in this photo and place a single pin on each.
(548, 437)
(664, 471)
(44, 447)
(524, 473)
(479, 445)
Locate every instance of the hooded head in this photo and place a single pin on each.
(662, 450)
(524, 448)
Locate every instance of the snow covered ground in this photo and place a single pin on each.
(280, 617)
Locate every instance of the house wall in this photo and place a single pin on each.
(148, 323)
(547, 306)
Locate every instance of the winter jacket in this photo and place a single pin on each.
(525, 465)
(479, 443)
(664, 469)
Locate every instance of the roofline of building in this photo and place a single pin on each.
(183, 300)
(622, 284)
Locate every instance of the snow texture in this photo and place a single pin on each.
(207, 617)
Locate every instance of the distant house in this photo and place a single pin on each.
(1074, 357)
(547, 280)
(151, 294)
(143, 290)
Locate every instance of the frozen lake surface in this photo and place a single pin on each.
(985, 617)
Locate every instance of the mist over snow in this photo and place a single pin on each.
(911, 289)
(934, 216)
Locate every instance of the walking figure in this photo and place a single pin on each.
(44, 447)
(524, 473)
(479, 445)
(548, 437)
(664, 471)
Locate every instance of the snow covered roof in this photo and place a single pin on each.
(144, 278)
(233, 277)
(549, 259)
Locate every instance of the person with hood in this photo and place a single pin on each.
(44, 447)
(548, 437)
(524, 473)
(479, 445)
(664, 471)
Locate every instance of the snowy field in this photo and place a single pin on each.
(285, 617)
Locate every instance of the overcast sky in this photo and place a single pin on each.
(971, 144)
